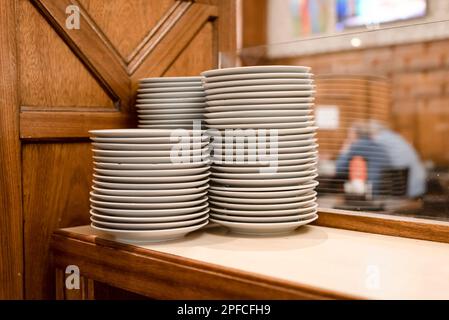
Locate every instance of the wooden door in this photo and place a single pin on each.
(70, 76)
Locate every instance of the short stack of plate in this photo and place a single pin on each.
(251, 194)
(149, 185)
(170, 102)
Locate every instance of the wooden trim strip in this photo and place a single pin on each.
(405, 227)
(55, 125)
(165, 276)
(11, 216)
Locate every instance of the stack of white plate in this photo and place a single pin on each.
(170, 102)
(258, 187)
(149, 185)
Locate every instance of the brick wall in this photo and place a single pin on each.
(419, 75)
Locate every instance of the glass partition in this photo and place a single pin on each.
(382, 108)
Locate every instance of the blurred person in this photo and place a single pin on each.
(359, 144)
(402, 155)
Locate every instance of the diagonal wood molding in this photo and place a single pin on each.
(162, 49)
(118, 76)
(98, 54)
(91, 47)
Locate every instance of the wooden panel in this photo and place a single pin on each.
(50, 75)
(57, 175)
(11, 267)
(89, 45)
(57, 179)
(198, 56)
(255, 17)
(135, 17)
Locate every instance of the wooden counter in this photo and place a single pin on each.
(313, 263)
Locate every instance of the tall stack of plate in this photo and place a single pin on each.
(250, 193)
(149, 184)
(170, 102)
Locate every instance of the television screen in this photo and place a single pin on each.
(356, 13)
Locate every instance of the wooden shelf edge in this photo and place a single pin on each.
(216, 282)
(414, 228)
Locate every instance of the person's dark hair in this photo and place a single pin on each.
(362, 130)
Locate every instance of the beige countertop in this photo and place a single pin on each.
(355, 263)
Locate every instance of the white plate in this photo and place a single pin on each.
(305, 107)
(169, 100)
(171, 95)
(149, 213)
(168, 126)
(147, 206)
(148, 166)
(274, 200)
(149, 219)
(259, 175)
(231, 148)
(255, 69)
(261, 145)
(172, 121)
(259, 195)
(195, 88)
(258, 164)
(264, 183)
(170, 113)
(150, 186)
(263, 228)
(171, 117)
(153, 160)
(233, 136)
(148, 236)
(157, 85)
(237, 120)
(263, 213)
(151, 153)
(170, 106)
(151, 193)
(147, 199)
(278, 132)
(256, 82)
(285, 125)
(304, 186)
(222, 159)
(151, 140)
(277, 219)
(139, 133)
(251, 169)
(264, 207)
(170, 79)
(151, 173)
(257, 113)
(270, 101)
(260, 95)
(263, 75)
(261, 88)
(173, 179)
(148, 225)
(147, 147)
